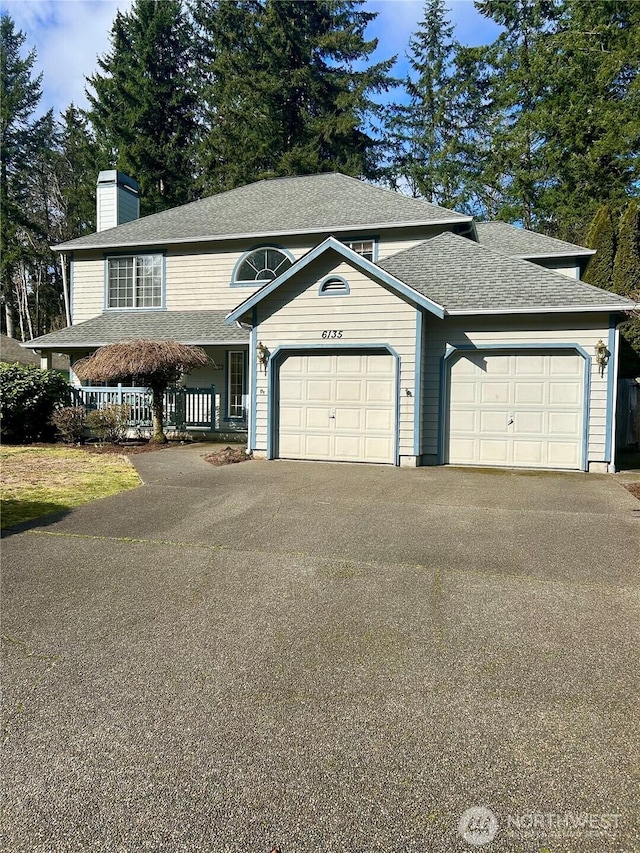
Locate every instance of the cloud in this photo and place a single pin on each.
(68, 36)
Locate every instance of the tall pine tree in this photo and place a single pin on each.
(424, 133)
(22, 137)
(144, 101)
(285, 94)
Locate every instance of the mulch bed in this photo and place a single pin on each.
(228, 456)
(634, 488)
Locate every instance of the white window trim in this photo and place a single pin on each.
(134, 256)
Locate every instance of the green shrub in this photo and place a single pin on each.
(70, 422)
(110, 423)
(28, 397)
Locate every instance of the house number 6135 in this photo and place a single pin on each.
(332, 333)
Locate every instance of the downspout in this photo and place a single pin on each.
(65, 288)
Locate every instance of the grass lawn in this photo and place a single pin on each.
(40, 480)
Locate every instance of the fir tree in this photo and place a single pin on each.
(21, 136)
(626, 268)
(424, 133)
(284, 95)
(144, 103)
(602, 238)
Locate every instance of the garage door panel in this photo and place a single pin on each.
(378, 449)
(492, 422)
(495, 392)
(292, 416)
(528, 453)
(563, 454)
(523, 409)
(379, 391)
(564, 393)
(382, 365)
(464, 392)
(529, 423)
(528, 365)
(316, 391)
(317, 446)
(349, 419)
(313, 418)
(531, 393)
(378, 420)
(494, 451)
(564, 423)
(333, 407)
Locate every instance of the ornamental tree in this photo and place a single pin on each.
(154, 364)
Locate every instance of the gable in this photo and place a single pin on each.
(331, 256)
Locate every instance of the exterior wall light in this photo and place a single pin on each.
(263, 355)
(602, 355)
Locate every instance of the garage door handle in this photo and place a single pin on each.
(509, 421)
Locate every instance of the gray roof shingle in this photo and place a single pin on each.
(310, 203)
(520, 243)
(464, 276)
(188, 327)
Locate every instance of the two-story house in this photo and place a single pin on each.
(347, 322)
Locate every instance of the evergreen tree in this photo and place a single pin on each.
(22, 137)
(626, 267)
(423, 133)
(516, 68)
(144, 102)
(601, 237)
(284, 95)
(589, 121)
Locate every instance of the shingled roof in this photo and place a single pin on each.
(188, 327)
(280, 206)
(467, 278)
(520, 243)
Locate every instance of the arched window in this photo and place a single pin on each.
(262, 265)
(333, 286)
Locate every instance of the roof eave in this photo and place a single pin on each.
(564, 309)
(581, 253)
(258, 235)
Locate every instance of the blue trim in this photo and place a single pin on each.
(353, 258)
(275, 360)
(107, 256)
(245, 255)
(611, 346)
(227, 417)
(253, 368)
(445, 376)
(417, 389)
(345, 291)
(375, 240)
(71, 277)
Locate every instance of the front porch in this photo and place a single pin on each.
(198, 411)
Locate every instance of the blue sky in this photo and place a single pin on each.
(69, 35)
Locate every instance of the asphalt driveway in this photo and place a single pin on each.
(325, 658)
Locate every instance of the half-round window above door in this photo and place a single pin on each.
(262, 265)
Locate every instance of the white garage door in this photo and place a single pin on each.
(523, 409)
(337, 407)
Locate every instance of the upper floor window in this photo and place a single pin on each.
(366, 248)
(135, 281)
(262, 265)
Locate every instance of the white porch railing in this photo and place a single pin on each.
(183, 407)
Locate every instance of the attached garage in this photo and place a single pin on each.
(338, 406)
(524, 408)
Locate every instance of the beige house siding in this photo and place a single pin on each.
(548, 329)
(200, 277)
(369, 314)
